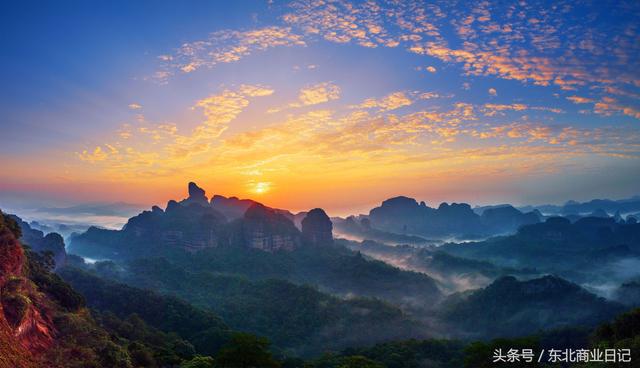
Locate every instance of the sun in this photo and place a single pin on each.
(261, 187)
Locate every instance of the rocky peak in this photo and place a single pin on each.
(266, 229)
(317, 228)
(196, 195)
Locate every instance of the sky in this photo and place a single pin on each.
(331, 104)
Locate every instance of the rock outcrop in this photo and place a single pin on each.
(196, 195)
(405, 216)
(26, 326)
(507, 218)
(264, 228)
(317, 229)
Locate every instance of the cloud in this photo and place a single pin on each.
(492, 92)
(608, 106)
(94, 156)
(450, 139)
(392, 101)
(312, 95)
(319, 93)
(563, 46)
(146, 145)
(431, 69)
(135, 106)
(225, 46)
(493, 109)
(579, 100)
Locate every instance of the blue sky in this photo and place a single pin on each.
(336, 104)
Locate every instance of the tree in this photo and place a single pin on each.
(246, 351)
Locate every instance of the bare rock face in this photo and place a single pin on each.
(264, 228)
(26, 325)
(317, 228)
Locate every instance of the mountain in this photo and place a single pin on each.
(509, 307)
(192, 225)
(607, 205)
(404, 215)
(205, 330)
(265, 229)
(624, 206)
(44, 322)
(263, 243)
(187, 226)
(52, 242)
(557, 245)
(452, 273)
(628, 293)
(506, 219)
(297, 318)
(360, 228)
(232, 207)
(317, 229)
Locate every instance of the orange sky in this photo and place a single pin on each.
(304, 105)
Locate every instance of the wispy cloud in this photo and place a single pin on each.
(224, 47)
(161, 146)
(392, 101)
(313, 95)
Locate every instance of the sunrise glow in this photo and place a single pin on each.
(330, 104)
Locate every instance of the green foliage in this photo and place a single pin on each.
(336, 269)
(350, 361)
(39, 269)
(202, 328)
(199, 362)
(146, 343)
(413, 353)
(246, 351)
(622, 333)
(298, 319)
(524, 307)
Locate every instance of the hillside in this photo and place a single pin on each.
(509, 307)
(298, 319)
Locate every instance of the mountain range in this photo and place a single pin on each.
(206, 283)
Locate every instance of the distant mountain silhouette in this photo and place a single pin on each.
(195, 224)
(404, 215)
(360, 228)
(558, 245)
(232, 207)
(40, 242)
(623, 206)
